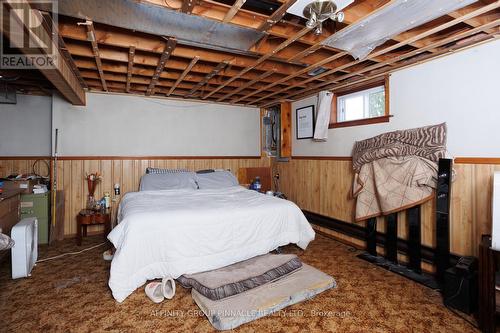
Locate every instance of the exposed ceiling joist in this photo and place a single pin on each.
(183, 75)
(410, 54)
(276, 17)
(207, 78)
(261, 59)
(400, 44)
(247, 85)
(288, 62)
(130, 66)
(95, 48)
(233, 10)
(162, 62)
(60, 75)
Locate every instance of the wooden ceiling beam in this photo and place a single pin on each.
(424, 34)
(60, 75)
(183, 75)
(233, 10)
(207, 78)
(162, 62)
(262, 59)
(478, 20)
(95, 49)
(423, 57)
(174, 74)
(124, 39)
(437, 44)
(112, 61)
(130, 67)
(276, 16)
(136, 80)
(247, 85)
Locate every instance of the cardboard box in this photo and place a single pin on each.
(25, 185)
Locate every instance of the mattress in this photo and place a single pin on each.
(231, 312)
(174, 232)
(242, 276)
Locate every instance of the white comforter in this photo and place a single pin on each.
(174, 232)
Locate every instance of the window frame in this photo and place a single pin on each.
(334, 123)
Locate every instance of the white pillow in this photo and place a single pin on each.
(216, 179)
(168, 181)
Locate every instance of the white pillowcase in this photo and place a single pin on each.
(216, 180)
(168, 181)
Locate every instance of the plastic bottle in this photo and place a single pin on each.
(107, 199)
(257, 184)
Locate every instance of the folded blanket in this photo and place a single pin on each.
(392, 184)
(396, 170)
(245, 275)
(428, 142)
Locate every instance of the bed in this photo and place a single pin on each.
(191, 229)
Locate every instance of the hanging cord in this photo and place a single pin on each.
(71, 253)
(33, 168)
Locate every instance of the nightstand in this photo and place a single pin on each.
(88, 217)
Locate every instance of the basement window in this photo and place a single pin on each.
(363, 105)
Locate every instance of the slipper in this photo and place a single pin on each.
(154, 290)
(168, 287)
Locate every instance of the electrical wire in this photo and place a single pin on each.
(70, 253)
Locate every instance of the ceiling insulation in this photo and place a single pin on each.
(158, 20)
(362, 37)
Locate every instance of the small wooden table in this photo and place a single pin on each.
(88, 217)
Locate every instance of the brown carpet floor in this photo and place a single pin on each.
(71, 295)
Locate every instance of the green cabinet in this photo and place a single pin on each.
(37, 205)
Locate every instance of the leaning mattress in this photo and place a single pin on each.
(231, 312)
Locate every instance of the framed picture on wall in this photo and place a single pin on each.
(305, 122)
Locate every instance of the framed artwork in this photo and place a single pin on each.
(305, 122)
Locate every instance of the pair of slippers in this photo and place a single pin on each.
(158, 291)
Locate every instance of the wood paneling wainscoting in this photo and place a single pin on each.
(126, 171)
(322, 185)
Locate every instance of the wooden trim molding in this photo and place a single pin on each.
(64, 158)
(20, 158)
(477, 160)
(68, 158)
(457, 160)
(325, 158)
(360, 122)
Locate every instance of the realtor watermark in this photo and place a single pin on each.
(28, 40)
(173, 313)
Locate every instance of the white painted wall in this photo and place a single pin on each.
(462, 89)
(25, 126)
(121, 125)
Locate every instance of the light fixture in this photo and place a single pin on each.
(319, 11)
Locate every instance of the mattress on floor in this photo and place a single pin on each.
(242, 276)
(231, 312)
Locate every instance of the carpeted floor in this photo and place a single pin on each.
(71, 295)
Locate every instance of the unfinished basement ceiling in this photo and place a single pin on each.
(270, 61)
